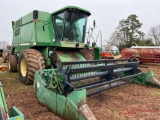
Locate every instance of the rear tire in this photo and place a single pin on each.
(28, 64)
(12, 63)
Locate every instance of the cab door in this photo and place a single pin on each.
(58, 20)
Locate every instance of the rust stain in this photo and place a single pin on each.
(81, 103)
(88, 53)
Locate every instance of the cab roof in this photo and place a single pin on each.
(74, 8)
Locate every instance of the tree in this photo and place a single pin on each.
(3, 45)
(154, 33)
(145, 42)
(127, 32)
(130, 28)
(149, 42)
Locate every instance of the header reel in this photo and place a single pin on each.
(95, 75)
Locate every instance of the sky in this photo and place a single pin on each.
(106, 13)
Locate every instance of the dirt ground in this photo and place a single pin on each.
(128, 102)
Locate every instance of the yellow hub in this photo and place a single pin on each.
(23, 67)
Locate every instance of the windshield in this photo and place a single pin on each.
(70, 26)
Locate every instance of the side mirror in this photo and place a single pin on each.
(94, 23)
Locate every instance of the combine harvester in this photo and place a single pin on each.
(51, 54)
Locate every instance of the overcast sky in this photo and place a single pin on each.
(107, 13)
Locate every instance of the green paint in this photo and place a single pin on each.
(42, 32)
(16, 114)
(61, 103)
(97, 51)
(45, 53)
(77, 96)
(144, 79)
(66, 107)
(3, 103)
(69, 56)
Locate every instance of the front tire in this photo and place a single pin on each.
(29, 62)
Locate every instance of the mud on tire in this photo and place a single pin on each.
(29, 62)
(12, 63)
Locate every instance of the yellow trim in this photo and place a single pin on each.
(133, 43)
(23, 67)
(117, 56)
(18, 118)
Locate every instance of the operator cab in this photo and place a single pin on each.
(70, 24)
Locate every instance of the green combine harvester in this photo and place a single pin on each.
(51, 53)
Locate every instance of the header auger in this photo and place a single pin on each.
(50, 51)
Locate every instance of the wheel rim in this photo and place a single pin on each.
(23, 67)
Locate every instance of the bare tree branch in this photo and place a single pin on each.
(154, 33)
(3, 45)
